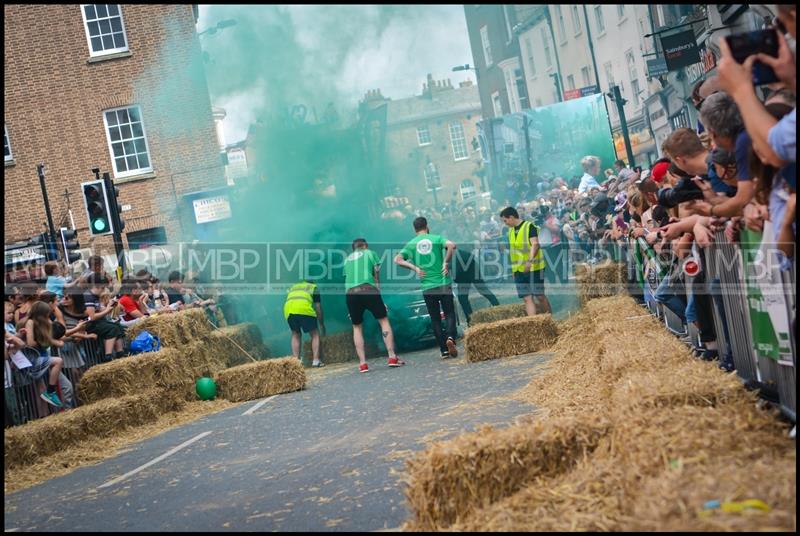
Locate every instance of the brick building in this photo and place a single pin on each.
(117, 87)
(431, 142)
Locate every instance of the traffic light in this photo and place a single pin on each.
(69, 243)
(95, 198)
(119, 224)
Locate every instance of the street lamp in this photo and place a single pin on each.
(221, 25)
(466, 67)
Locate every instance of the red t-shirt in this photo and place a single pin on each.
(130, 305)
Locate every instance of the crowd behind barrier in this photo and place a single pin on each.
(56, 331)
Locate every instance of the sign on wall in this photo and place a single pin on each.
(211, 209)
(657, 67)
(680, 50)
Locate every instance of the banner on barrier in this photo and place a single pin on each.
(766, 302)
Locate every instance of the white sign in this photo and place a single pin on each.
(126, 208)
(211, 209)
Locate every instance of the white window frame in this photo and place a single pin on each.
(600, 20)
(635, 90)
(469, 188)
(454, 140)
(486, 44)
(608, 67)
(587, 78)
(576, 20)
(420, 130)
(562, 28)
(570, 82)
(127, 172)
(7, 143)
(497, 103)
(531, 61)
(509, 33)
(621, 14)
(106, 52)
(434, 174)
(548, 57)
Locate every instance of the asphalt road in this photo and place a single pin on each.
(327, 458)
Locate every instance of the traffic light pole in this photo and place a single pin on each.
(52, 229)
(112, 202)
(623, 124)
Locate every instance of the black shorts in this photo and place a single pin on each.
(530, 284)
(304, 322)
(364, 298)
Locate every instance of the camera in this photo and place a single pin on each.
(684, 191)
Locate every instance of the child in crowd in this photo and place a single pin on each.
(56, 283)
(39, 337)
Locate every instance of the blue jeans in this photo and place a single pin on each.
(691, 311)
(666, 295)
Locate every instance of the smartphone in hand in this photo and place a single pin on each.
(746, 44)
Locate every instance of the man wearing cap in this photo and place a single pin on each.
(659, 171)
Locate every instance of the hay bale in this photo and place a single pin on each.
(169, 368)
(514, 336)
(604, 279)
(498, 312)
(680, 432)
(247, 335)
(30, 442)
(257, 380)
(453, 478)
(338, 348)
(174, 329)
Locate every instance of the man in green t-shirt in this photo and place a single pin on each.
(432, 265)
(362, 284)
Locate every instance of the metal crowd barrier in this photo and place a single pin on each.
(723, 261)
(23, 401)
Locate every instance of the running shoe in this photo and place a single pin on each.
(396, 362)
(363, 368)
(52, 399)
(451, 347)
(445, 355)
(318, 364)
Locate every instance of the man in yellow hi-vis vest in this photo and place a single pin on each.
(527, 261)
(302, 310)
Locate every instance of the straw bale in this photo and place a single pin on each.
(604, 279)
(247, 335)
(453, 478)
(504, 338)
(673, 500)
(498, 312)
(169, 368)
(257, 380)
(678, 432)
(174, 329)
(27, 443)
(625, 483)
(338, 348)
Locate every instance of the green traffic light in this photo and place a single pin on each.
(99, 225)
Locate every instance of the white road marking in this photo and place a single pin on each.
(251, 410)
(154, 461)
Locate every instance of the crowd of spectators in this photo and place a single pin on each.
(53, 325)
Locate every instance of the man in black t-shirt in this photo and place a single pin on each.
(174, 290)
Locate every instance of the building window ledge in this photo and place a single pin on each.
(134, 178)
(11, 162)
(97, 59)
(622, 21)
(601, 34)
(460, 159)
